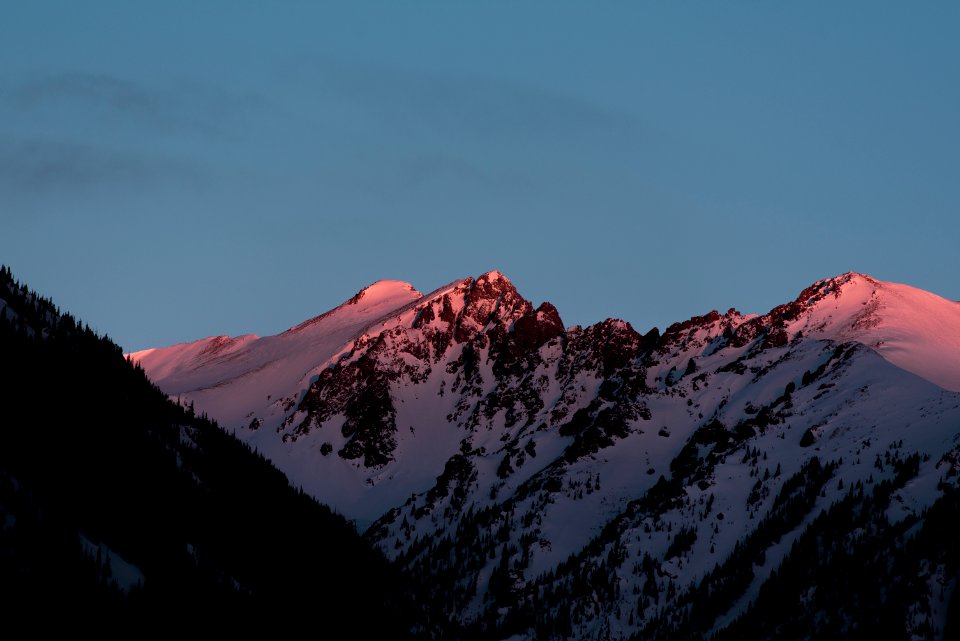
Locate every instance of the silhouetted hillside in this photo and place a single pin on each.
(116, 503)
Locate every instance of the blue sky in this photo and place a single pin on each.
(179, 169)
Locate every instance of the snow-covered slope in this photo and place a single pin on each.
(231, 377)
(482, 443)
(913, 329)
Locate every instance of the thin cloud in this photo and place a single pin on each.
(419, 132)
(118, 94)
(470, 105)
(187, 107)
(33, 168)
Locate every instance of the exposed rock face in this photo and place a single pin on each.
(483, 321)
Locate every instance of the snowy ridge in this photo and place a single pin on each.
(913, 329)
(230, 377)
(477, 438)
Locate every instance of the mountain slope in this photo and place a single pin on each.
(582, 482)
(229, 377)
(120, 507)
(913, 329)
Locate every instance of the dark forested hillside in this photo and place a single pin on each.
(116, 503)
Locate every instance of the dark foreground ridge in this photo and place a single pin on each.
(120, 508)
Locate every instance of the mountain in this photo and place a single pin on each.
(120, 508)
(546, 482)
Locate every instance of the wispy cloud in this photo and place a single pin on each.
(464, 104)
(119, 94)
(77, 133)
(416, 132)
(188, 107)
(34, 168)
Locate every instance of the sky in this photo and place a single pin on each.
(175, 170)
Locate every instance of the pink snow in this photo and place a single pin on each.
(914, 329)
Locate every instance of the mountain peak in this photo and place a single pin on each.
(851, 275)
(375, 299)
(492, 285)
(492, 291)
(384, 289)
(844, 283)
(493, 276)
(849, 280)
(912, 328)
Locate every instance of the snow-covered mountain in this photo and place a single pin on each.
(591, 482)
